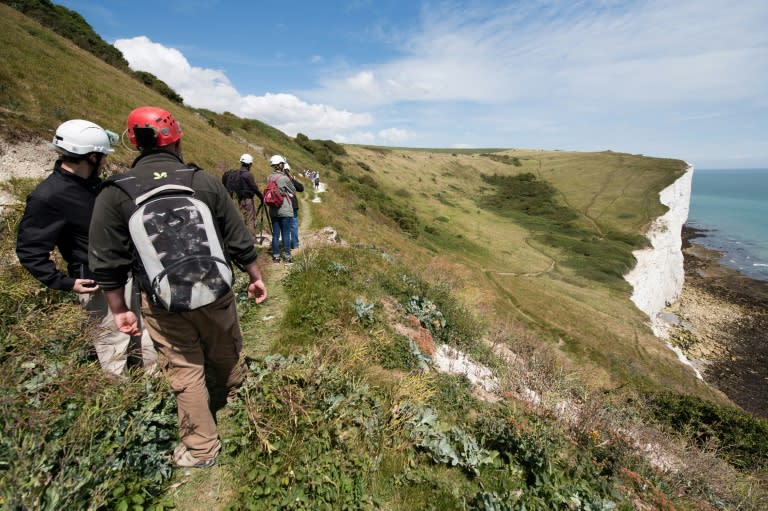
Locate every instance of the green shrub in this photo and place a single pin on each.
(742, 438)
(504, 158)
(395, 353)
(524, 193)
(532, 448)
(308, 437)
(323, 155)
(454, 397)
(333, 147)
(69, 438)
(158, 85)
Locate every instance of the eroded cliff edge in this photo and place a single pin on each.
(657, 278)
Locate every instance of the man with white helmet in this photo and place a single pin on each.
(242, 184)
(282, 217)
(58, 214)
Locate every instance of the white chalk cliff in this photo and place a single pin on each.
(658, 277)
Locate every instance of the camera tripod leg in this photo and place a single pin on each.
(263, 214)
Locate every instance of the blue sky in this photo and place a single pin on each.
(677, 78)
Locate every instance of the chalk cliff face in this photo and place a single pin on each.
(658, 277)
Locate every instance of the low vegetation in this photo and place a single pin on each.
(71, 25)
(337, 411)
(739, 438)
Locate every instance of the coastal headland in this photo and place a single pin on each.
(724, 325)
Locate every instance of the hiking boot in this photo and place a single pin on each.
(275, 259)
(183, 458)
(288, 260)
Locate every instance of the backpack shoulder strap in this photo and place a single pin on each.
(142, 188)
(274, 179)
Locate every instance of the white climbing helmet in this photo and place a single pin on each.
(79, 137)
(246, 159)
(286, 167)
(276, 160)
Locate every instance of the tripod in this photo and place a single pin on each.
(262, 215)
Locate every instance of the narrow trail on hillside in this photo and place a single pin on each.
(629, 183)
(510, 299)
(550, 268)
(215, 487)
(595, 196)
(562, 196)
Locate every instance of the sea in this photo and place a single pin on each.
(731, 206)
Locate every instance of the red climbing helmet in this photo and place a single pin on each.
(165, 129)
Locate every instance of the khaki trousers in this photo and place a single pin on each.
(113, 347)
(249, 212)
(204, 344)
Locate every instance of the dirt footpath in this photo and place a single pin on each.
(24, 160)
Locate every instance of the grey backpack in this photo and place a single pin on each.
(184, 265)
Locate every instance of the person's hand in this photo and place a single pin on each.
(127, 322)
(85, 286)
(257, 290)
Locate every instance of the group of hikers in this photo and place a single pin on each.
(313, 176)
(149, 254)
(283, 212)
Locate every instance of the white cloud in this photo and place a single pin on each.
(210, 88)
(362, 81)
(567, 52)
(356, 137)
(384, 137)
(392, 135)
(651, 76)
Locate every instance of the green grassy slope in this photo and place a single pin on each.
(336, 413)
(45, 79)
(573, 300)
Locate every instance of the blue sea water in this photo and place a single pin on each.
(732, 206)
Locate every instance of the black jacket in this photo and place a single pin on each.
(248, 186)
(241, 184)
(299, 188)
(58, 214)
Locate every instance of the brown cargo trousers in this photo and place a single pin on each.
(189, 343)
(248, 208)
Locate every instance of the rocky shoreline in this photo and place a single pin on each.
(723, 326)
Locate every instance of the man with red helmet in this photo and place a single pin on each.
(200, 343)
